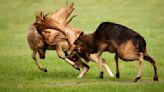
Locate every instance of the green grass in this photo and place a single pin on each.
(18, 71)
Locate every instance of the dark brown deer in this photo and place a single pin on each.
(127, 45)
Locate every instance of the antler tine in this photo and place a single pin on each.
(46, 15)
(68, 5)
(38, 13)
(70, 20)
(66, 2)
(62, 14)
(41, 14)
(72, 4)
(69, 9)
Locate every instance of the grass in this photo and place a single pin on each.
(19, 73)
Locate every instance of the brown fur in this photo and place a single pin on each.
(39, 45)
(54, 37)
(127, 45)
(127, 51)
(57, 21)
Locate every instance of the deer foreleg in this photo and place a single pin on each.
(41, 67)
(107, 68)
(117, 67)
(62, 55)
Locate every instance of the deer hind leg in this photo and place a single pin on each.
(117, 67)
(41, 67)
(152, 61)
(141, 59)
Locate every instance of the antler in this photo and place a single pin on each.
(62, 14)
(39, 16)
(57, 20)
(70, 19)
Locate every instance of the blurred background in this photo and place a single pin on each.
(18, 71)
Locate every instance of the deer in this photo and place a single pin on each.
(38, 41)
(127, 45)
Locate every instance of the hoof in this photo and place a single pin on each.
(44, 69)
(155, 78)
(78, 68)
(42, 57)
(101, 75)
(136, 79)
(117, 75)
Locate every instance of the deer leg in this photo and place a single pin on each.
(94, 58)
(41, 53)
(85, 68)
(107, 68)
(84, 71)
(37, 62)
(61, 54)
(100, 62)
(117, 67)
(78, 61)
(72, 63)
(141, 59)
(152, 61)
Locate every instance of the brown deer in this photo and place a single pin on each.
(127, 45)
(37, 42)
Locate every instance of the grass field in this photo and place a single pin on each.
(18, 71)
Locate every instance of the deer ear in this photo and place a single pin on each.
(81, 34)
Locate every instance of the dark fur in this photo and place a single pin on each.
(110, 37)
(108, 32)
